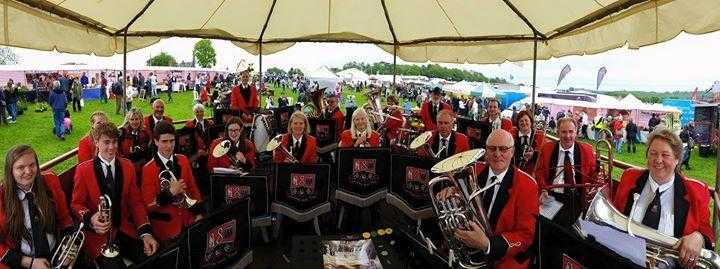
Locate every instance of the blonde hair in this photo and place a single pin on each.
(567, 119)
(133, 112)
(353, 130)
(300, 115)
(669, 137)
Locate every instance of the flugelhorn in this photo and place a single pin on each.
(109, 249)
(423, 140)
(660, 247)
(460, 204)
(68, 250)
(275, 143)
(166, 176)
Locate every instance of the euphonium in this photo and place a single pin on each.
(68, 250)
(276, 142)
(166, 176)
(460, 204)
(109, 249)
(659, 246)
(316, 108)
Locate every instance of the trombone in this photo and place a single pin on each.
(165, 177)
(69, 249)
(109, 249)
(275, 143)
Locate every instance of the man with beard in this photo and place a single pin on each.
(431, 108)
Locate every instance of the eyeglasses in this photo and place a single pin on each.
(503, 149)
(234, 130)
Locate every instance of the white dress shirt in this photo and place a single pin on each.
(25, 246)
(667, 195)
(164, 161)
(105, 163)
(560, 176)
(494, 192)
(295, 141)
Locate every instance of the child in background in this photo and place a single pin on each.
(67, 122)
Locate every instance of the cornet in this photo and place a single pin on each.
(109, 249)
(276, 142)
(422, 140)
(166, 176)
(459, 208)
(68, 250)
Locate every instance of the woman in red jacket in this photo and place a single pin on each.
(360, 134)
(26, 193)
(241, 153)
(528, 142)
(86, 146)
(135, 138)
(297, 142)
(668, 202)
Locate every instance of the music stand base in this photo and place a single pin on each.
(244, 262)
(398, 203)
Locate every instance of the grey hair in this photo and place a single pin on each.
(198, 107)
(356, 113)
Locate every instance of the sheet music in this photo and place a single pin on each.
(550, 207)
(223, 170)
(632, 248)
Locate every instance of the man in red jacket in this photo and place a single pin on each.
(244, 97)
(333, 112)
(167, 208)
(430, 109)
(511, 206)
(86, 146)
(445, 142)
(565, 162)
(157, 115)
(113, 177)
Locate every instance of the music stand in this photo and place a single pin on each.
(227, 189)
(185, 142)
(361, 177)
(222, 239)
(220, 115)
(324, 130)
(282, 118)
(409, 186)
(301, 192)
(169, 258)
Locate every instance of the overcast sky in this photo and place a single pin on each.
(683, 63)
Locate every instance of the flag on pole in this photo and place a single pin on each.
(563, 73)
(600, 76)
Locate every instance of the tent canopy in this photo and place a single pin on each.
(417, 30)
(354, 75)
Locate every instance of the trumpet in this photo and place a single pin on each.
(460, 207)
(276, 142)
(68, 250)
(422, 141)
(660, 247)
(109, 249)
(166, 176)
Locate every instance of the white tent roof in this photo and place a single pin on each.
(321, 73)
(602, 101)
(353, 74)
(462, 87)
(419, 30)
(630, 101)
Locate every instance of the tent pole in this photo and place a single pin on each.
(260, 72)
(394, 65)
(534, 75)
(123, 105)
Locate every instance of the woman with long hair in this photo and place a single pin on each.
(33, 212)
(135, 138)
(528, 141)
(241, 153)
(297, 141)
(360, 134)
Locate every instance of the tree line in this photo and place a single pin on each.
(428, 70)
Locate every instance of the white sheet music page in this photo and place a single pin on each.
(550, 207)
(630, 247)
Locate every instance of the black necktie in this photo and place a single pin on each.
(652, 213)
(568, 169)
(110, 178)
(488, 195)
(445, 147)
(524, 140)
(202, 127)
(169, 165)
(41, 246)
(296, 149)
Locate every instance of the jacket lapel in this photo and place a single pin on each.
(451, 144)
(681, 205)
(502, 197)
(639, 185)
(577, 161)
(553, 163)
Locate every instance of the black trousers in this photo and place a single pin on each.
(76, 104)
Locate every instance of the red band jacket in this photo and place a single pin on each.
(547, 166)
(128, 212)
(458, 143)
(512, 217)
(691, 203)
(149, 122)
(346, 140)
(307, 154)
(9, 254)
(238, 101)
(225, 161)
(86, 149)
(429, 117)
(537, 140)
(168, 219)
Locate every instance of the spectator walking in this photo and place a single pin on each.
(103, 88)
(58, 102)
(84, 80)
(3, 120)
(153, 86)
(76, 89)
(631, 133)
(11, 100)
(617, 130)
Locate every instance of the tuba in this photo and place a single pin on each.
(422, 141)
(69, 249)
(166, 176)
(460, 207)
(109, 249)
(659, 246)
(276, 142)
(316, 108)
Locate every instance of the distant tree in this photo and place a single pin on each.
(7, 56)
(428, 70)
(275, 71)
(162, 59)
(204, 53)
(295, 71)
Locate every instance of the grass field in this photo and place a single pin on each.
(35, 129)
